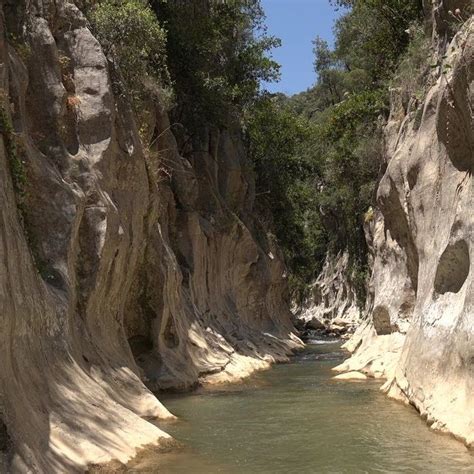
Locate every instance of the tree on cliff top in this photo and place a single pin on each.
(336, 156)
(218, 55)
(131, 35)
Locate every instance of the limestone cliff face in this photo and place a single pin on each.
(332, 297)
(121, 270)
(420, 334)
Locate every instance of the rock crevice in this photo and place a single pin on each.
(420, 334)
(122, 270)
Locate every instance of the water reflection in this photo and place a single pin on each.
(295, 419)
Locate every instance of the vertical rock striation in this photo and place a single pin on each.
(420, 333)
(332, 297)
(120, 271)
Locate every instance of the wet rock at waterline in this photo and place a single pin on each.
(314, 324)
(331, 299)
(419, 335)
(314, 328)
(116, 277)
(131, 270)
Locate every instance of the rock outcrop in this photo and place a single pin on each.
(420, 333)
(331, 306)
(332, 295)
(123, 269)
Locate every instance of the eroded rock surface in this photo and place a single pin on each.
(120, 271)
(331, 306)
(420, 334)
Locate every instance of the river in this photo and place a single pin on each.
(294, 418)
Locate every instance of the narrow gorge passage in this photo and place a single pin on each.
(190, 190)
(294, 418)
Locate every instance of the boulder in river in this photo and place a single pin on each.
(315, 323)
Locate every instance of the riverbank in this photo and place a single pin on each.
(296, 417)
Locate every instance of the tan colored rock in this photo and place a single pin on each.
(353, 375)
(376, 356)
(115, 278)
(420, 332)
(332, 299)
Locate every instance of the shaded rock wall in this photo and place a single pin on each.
(420, 334)
(332, 297)
(121, 270)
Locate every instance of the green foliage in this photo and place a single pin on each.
(317, 179)
(217, 56)
(132, 36)
(318, 154)
(370, 38)
(359, 274)
(355, 112)
(214, 54)
(14, 150)
(17, 173)
(279, 143)
(350, 150)
(372, 35)
(330, 74)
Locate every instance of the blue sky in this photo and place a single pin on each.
(296, 23)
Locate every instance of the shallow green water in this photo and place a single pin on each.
(295, 419)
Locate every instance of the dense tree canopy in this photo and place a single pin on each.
(132, 36)
(339, 144)
(317, 155)
(217, 56)
(280, 144)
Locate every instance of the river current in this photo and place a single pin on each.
(294, 418)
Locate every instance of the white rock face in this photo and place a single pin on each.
(420, 334)
(119, 273)
(332, 299)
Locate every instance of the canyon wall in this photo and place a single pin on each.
(123, 269)
(420, 333)
(332, 299)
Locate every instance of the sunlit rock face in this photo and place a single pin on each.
(120, 272)
(420, 333)
(331, 305)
